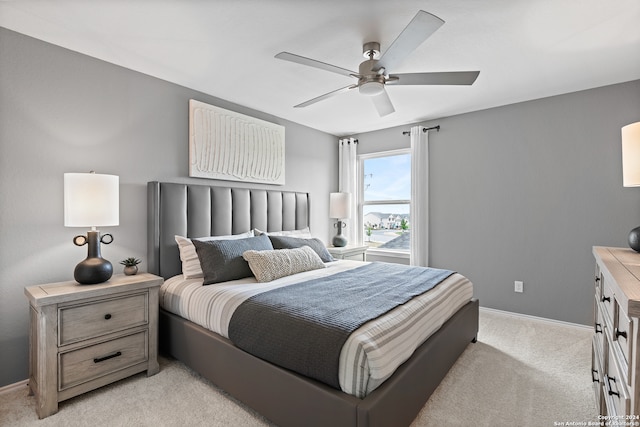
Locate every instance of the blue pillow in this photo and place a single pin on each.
(221, 260)
(287, 242)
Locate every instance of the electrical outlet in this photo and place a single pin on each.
(519, 286)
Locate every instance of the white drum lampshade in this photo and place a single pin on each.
(631, 170)
(631, 155)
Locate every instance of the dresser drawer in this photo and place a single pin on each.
(598, 282)
(93, 319)
(599, 325)
(596, 376)
(622, 336)
(615, 388)
(608, 302)
(88, 363)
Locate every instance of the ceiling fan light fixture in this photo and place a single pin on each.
(371, 88)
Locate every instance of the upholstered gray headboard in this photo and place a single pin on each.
(201, 210)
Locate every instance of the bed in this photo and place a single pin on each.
(282, 396)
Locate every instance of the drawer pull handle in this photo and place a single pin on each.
(107, 316)
(597, 279)
(598, 328)
(606, 299)
(609, 391)
(620, 333)
(594, 376)
(111, 356)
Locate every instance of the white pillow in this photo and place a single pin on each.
(271, 265)
(303, 233)
(190, 262)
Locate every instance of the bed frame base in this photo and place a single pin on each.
(289, 399)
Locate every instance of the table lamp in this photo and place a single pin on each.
(339, 208)
(631, 169)
(91, 200)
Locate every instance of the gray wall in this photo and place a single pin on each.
(65, 112)
(523, 192)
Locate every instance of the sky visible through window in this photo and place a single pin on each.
(387, 178)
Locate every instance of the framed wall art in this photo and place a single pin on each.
(231, 146)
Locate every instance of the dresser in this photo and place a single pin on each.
(86, 336)
(615, 358)
(352, 252)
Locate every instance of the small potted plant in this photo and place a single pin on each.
(130, 265)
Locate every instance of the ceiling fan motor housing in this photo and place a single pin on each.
(370, 83)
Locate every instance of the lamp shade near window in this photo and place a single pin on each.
(339, 208)
(339, 205)
(92, 200)
(631, 155)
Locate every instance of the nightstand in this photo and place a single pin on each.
(352, 252)
(86, 336)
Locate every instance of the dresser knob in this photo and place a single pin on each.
(606, 299)
(107, 316)
(620, 333)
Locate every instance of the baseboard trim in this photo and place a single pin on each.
(541, 319)
(11, 387)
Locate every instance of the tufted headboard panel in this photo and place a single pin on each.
(192, 210)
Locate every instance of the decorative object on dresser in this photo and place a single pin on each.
(130, 266)
(85, 337)
(339, 208)
(615, 357)
(227, 145)
(91, 200)
(352, 252)
(631, 169)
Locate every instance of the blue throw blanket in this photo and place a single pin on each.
(303, 327)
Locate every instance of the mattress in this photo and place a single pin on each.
(370, 355)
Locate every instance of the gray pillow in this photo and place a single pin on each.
(221, 260)
(287, 242)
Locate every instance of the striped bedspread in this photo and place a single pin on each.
(371, 353)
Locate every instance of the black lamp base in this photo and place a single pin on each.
(94, 269)
(634, 239)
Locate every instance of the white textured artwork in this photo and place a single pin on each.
(227, 145)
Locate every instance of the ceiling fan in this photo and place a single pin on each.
(373, 74)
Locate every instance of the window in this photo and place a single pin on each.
(385, 199)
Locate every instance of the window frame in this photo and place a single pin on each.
(362, 203)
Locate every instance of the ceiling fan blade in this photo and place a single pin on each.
(325, 96)
(383, 104)
(445, 78)
(286, 56)
(415, 33)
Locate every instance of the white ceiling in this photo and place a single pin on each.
(524, 49)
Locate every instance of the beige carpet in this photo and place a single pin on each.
(521, 372)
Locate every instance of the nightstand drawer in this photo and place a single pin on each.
(80, 322)
(88, 363)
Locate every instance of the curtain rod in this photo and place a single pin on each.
(437, 128)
